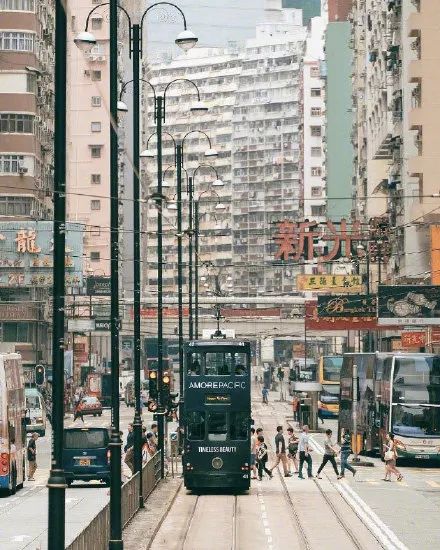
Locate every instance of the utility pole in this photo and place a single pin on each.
(190, 255)
(196, 269)
(57, 481)
(179, 161)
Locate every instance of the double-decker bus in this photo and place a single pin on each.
(329, 374)
(217, 414)
(398, 393)
(12, 423)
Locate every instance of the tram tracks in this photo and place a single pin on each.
(304, 539)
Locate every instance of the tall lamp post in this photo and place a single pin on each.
(365, 253)
(57, 481)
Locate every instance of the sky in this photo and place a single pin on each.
(215, 22)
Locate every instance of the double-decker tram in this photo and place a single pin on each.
(217, 415)
(397, 393)
(329, 375)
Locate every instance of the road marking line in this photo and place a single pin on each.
(433, 483)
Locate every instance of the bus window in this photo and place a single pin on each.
(196, 425)
(218, 364)
(240, 364)
(217, 427)
(195, 364)
(239, 425)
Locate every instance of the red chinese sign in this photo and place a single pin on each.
(251, 312)
(435, 335)
(413, 339)
(313, 322)
(295, 240)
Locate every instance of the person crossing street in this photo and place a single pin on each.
(280, 450)
(329, 455)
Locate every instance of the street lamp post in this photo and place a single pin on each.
(57, 481)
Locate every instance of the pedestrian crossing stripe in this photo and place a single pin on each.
(434, 484)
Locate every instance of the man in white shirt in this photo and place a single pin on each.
(304, 452)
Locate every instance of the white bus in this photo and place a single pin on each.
(36, 411)
(12, 423)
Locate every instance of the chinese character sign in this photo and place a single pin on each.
(26, 241)
(297, 240)
(335, 283)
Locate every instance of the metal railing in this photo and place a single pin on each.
(96, 535)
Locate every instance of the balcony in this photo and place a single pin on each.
(414, 24)
(415, 118)
(415, 71)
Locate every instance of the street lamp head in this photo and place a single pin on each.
(84, 40)
(218, 183)
(211, 152)
(203, 278)
(147, 153)
(166, 184)
(220, 206)
(172, 205)
(198, 107)
(122, 107)
(186, 40)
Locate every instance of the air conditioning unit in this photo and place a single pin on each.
(22, 170)
(86, 73)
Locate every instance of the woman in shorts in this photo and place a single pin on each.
(292, 447)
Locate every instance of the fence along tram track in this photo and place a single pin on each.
(305, 542)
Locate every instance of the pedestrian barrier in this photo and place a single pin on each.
(97, 533)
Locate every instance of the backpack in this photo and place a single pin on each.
(262, 452)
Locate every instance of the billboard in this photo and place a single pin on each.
(314, 322)
(98, 286)
(413, 338)
(435, 254)
(336, 283)
(408, 305)
(352, 305)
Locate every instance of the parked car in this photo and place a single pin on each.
(90, 405)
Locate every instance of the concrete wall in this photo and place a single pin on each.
(339, 119)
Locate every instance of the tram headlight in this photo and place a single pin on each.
(217, 463)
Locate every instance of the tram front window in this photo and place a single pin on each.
(195, 364)
(217, 426)
(218, 364)
(239, 425)
(196, 425)
(240, 364)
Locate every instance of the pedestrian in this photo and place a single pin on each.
(346, 451)
(32, 456)
(154, 432)
(304, 452)
(259, 432)
(253, 453)
(265, 393)
(330, 452)
(320, 415)
(13, 456)
(77, 411)
(390, 459)
(292, 447)
(262, 457)
(129, 449)
(295, 407)
(280, 450)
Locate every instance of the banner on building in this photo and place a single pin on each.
(334, 283)
(314, 322)
(435, 254)
(98, 286)
(413, 339)
(352, 305)
(80, 325)
(409, 305)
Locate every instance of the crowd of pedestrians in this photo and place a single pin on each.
(149, 445)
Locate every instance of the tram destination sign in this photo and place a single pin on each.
(217, 399)
(353, 305)
(409, 305)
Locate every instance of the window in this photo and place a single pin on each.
(218, 364)
(96, 101)
(17, 41)
(239, 425)
(16, 332)
(9, 163)
(92, 438)
(96, 23)
(95, 151)
(195, 364)
(95, 126)
(316, 170)
(31, 83)
(17, 5)
(95, 256)
(15, 206)
(315, 92)
(315, 131)
(12, 123)
(95, 204)
(95, 179)
(318, 210)
(240, 367)
(316, 191)
(315, 111)
(314, 71)
(316, 151)
(96, 75)
(195, 425)
(217, 426)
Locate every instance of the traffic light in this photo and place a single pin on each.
(152, 384)
(40, 375)
(166, 380)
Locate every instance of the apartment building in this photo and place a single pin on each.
(26, 163)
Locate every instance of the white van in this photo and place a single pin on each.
(36, 411)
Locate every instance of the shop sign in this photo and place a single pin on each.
(18, 312)
(98, 286)
(314, 322)
(413, 339)
(353, 305)
(334, 283)
(409, 305)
